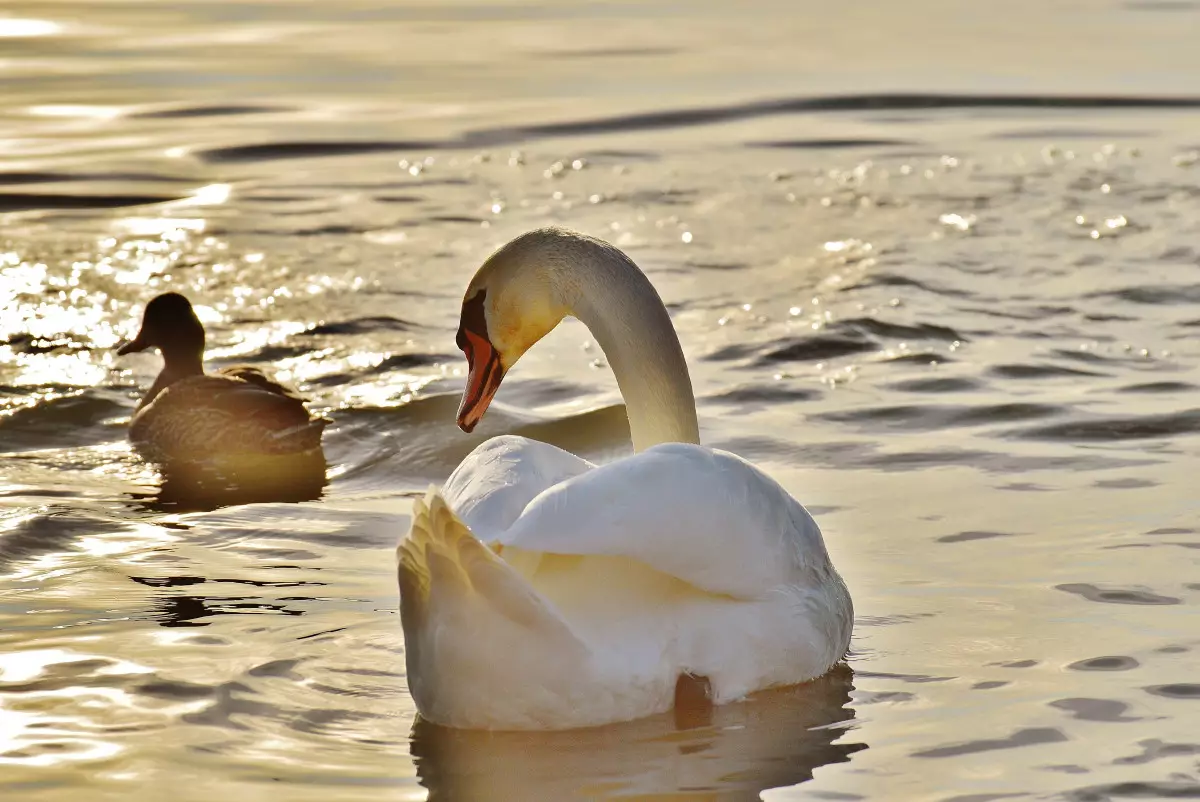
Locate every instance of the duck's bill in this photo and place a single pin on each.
(133, 346)
(484, 374)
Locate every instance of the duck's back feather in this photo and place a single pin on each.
(255, 376)
(217, 415)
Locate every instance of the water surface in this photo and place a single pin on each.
(934, 267)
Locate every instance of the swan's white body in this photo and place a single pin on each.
(539, 591)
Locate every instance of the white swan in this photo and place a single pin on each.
(539, 591)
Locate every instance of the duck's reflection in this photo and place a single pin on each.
(202, 488)
(173, 609)
(774, 740)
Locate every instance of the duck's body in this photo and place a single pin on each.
(215, 416)
(188, 415)
(539, 591)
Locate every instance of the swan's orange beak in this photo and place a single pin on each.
(484, 374)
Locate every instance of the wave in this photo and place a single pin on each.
(697, 116)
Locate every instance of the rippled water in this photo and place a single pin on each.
(935, 266)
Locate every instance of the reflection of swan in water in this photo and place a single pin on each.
(775, 739)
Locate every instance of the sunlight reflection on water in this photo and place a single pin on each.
(961, 328)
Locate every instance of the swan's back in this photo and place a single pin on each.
(704, 516)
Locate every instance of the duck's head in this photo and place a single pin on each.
(517, 297)
(169, 324)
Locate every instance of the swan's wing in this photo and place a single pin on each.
(475, 631)
(704, 516)
(441, 556)
(494, 483)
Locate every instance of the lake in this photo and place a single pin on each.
(935, 267)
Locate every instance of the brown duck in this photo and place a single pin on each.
(189, 415)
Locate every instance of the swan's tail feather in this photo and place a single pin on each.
(441, 557)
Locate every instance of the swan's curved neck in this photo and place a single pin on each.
(620, 307)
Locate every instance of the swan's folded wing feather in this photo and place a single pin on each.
(497, 480)
(440, 555)
(704, 516)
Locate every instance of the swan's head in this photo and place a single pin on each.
(515, 299)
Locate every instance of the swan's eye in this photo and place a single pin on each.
(474, 319)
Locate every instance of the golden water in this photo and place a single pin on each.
(934, 266)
